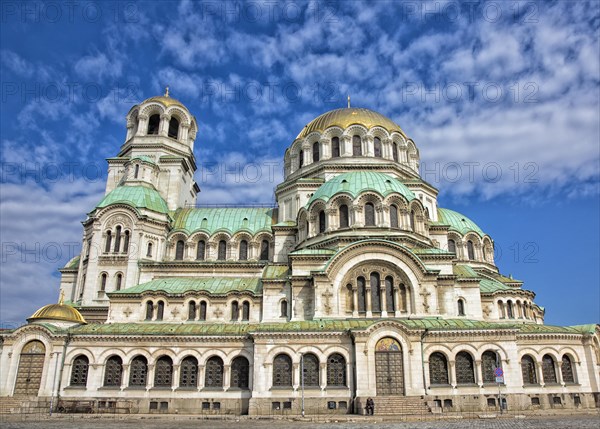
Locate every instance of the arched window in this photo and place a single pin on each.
(377, 147)
(108, 241)
(438, 369)
(117, 239)
(369, 214)
(315, 151)
(461, 307)
(301, 159)
(501, 310)
(403, 298)
(149, 251)
(160, 310)
(118, 281)
(566, 369)
(344, 219)
(335, 147)
(394, 216)
(548, 370)
(465, 370)
(356, 146)
(163, 372)
(188, 372)
(103, 282)
(153, 124)
(192, 310)
(375, 292)
(489, 362)
(452, 246)
(412, 221)
(179, 248)
(214, 372)
(202, 315)
(138, 371)
(470, 250)
(201, 250)
(509, 310)
(222, 250)
(282, 371)
(235, 310)
(113, 371)
(240, 373)
(243, 250)
(264, 250)
(336, 370)
(322, 225)
(311, 370)
(284, 308)
(361, 286)
(126, 245)
(173, 128)
(395, 152)
(79, 372)
(149, 310)
(137, 171)
(245, 311)
(528, 370)
(389, 294)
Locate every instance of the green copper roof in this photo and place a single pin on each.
(505, 279)
(354, 183)
(212, 285)
(73, 263)
(429, 251)
(457, 222)
(326, 252)
(229, 220)
(135, 196)
(464, 272)
(144, 158)
(324, 325)
(275, 272)
(491, 286)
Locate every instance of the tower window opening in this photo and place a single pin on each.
(153, 124)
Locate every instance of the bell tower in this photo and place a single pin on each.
(158, 151)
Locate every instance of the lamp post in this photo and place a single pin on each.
(302, 380)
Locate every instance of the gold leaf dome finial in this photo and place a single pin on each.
(61, 298)
(167, 91)
(348, 101)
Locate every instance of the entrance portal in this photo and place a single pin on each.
(389, 367)
(31, 365)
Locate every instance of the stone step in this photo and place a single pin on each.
(400, 405)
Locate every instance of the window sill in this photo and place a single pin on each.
(532, 385)
(161, 388)
(238, 389)
(439, 386)
(552, 385)
(135, 388)
(212, 389)
(187, 389)
(76, 388)
(113, 388)
(336, 388)
(282, 388)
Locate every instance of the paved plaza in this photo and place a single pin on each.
(534, 422)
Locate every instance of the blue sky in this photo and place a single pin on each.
(501, 98)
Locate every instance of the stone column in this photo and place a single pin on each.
(184, 132)
(150, 379)
(201, 371)
(142, 125)
(397, 300)
(355, 301)
(226, 377)
(357, 216)
(325, 145)
(163, 128)
(383, 297)
(332, 221)
(312, 226)
(368, 146)
(296, 375)
(452, 373)
(368, 298)
(323, 375)
(478, 373)
(345, 146)
(175, 380)
(125, 375)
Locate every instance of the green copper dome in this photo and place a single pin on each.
(135, 196)
(458, 222)
(357, 182)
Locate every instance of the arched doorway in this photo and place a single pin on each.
(31, 365)
(389, 367)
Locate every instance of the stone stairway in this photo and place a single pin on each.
(23, 405)
(400, 405)
(10, 404)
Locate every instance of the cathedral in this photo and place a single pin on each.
(355, 284)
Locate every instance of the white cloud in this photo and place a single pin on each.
(98, 67)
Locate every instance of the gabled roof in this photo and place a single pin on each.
(210, 285)
(230, 220)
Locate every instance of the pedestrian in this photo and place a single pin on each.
(370, 406)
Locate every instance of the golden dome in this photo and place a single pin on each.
(58, 311)
(165, 100)
(345, 117)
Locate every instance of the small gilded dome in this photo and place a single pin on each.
(60, 311)
(165, 100)
(345, 117)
